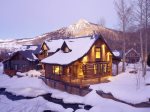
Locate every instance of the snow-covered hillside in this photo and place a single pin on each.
(14, 44)
(80, 28)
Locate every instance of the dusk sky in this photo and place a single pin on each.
(30, 18)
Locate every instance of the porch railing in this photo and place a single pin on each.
(93, 73)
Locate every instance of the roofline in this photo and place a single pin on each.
(131, 50)
(45, 44)
(67, 38)
(97, 37)
(15, 54)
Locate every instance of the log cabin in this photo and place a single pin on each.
(20, 61)
(132, 56)
(79, 62)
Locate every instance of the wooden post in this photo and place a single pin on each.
(80, 82)
(117, 69)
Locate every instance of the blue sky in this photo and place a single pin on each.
(29, 18)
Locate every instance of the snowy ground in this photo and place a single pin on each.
(128, 87)
(29, 86)
(31, 73)
(1, 68)
(31, 105)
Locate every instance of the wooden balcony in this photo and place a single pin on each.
(92, 73)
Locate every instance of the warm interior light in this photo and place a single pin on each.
(66, 49)
(98, 54)
(108, 56)
(103, 52)
(105, 68)
(80, 71)
(85, 59)
(44, 47)
(57, 70)
(95, 68)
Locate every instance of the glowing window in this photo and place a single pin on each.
(95, 68)
(85, 59)
(57, 70)
(105, 68)
(98, 53)
(108, 56)
(66, 50)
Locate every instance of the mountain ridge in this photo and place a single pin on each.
(78, 29)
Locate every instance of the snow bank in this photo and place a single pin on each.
(1, 68)
(31, 73)
(33, 105)
(114, 68)
(147, 77)
(125, 87)
(25, 86)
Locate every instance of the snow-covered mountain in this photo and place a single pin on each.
(80, 28)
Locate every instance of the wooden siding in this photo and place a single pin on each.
(86, 70)
(18, 64)
(132, 57)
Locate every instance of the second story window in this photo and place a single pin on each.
(97, 53)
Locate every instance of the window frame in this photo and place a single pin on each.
(60, 70)
(98, 50)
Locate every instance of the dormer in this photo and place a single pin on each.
(65, 48)
(44, 47)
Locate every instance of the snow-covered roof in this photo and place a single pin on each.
(35, 48)
(117, 53)
(132, 49)
(78, 46)
(53, 45)
(29, 55)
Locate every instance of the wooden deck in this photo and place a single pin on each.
(93, 73)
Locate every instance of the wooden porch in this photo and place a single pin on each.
(92, 73)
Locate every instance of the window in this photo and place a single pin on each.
(85, 59)
(104, 68)
(57, 70)
(98, 53)
(66, 50)
(108, 56)
(95, 69)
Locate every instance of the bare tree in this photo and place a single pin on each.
(139, 15)
(146, 17)
(124, 12)
(142, 18)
